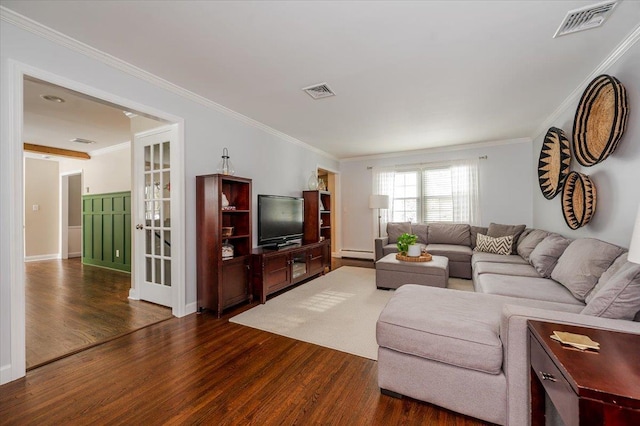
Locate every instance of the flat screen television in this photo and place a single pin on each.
(280, 220)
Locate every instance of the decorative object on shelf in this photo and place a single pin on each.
(554, 162)
(578, 200)
(322, 206)
(312, 183)
(404, 241)
(225, 166)
(227, 231)
(227, 250)
(600, 120)
(225, 201)
(634, 245)
(377, 201)
(322, 185)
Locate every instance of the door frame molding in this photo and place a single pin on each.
(13, 149)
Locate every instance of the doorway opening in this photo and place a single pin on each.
(78, 240)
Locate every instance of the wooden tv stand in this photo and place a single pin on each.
(275, 270)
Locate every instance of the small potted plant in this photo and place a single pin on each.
(407, 244)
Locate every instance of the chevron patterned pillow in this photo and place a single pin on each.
(499, 245)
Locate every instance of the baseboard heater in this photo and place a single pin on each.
(357, 254)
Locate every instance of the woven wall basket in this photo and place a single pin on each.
(578, 200)
(600, 120)
(554, 162)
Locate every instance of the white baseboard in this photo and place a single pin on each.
(190, 308)
(5, 374)
(133, 294)
(42, 257)
(78, 254)
(357, 254)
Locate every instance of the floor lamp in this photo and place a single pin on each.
(377, 201)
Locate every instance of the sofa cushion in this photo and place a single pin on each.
(437, 326)
(530, 241)
(522, 236)
(516, 269)
(606, 275)
(479, 256)
(389, 248)
(545, 256)
(420, 229)
(475, 230)
(499, 230)
(526, 288)
(449, 233)
(619, 298)
(395, 229)
(499, 245)
(582, 263)
(455, 253)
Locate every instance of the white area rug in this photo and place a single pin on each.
(338, 310)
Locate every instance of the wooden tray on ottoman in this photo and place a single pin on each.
(424, 257)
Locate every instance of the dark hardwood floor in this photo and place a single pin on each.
(203, 370)
(71, 306)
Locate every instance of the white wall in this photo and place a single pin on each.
(41, 188)
(103, 173)
(276, 165)
(617, 179)
(505, 187)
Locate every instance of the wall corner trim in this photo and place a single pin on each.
(574, 97)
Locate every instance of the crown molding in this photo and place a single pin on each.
(452, 148)
(59, 38)
(108, 149)
(574, 97)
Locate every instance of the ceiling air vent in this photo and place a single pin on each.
(85, 141)
(318, 91)
(585, 18)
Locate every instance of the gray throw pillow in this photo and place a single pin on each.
(450, 233)
(619, 298)
(545, 256)
(475, 230)
(522, 236)
(395, 229)
(498, 230)
(606, 275)
(528, 243)
(420, 230)
(582, 263)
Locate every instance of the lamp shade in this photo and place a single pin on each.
(634, 246)
(377, 201)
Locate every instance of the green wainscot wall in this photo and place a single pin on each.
(106, 230)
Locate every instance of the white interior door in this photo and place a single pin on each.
(153, 159)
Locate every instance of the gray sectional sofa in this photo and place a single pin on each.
(468, 352)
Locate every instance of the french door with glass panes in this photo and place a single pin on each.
(153, 225)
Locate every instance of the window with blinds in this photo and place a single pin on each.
(438, 192)
(437, 195)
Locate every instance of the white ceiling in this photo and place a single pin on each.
(55, 124)
(408, 75)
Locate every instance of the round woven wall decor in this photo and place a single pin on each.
(554, 162)
(600, 121)
(578, 200)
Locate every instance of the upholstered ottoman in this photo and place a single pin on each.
(443, 346)
(392, 273)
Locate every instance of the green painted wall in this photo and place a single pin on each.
(106, 230)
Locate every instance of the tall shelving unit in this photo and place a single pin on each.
(223, 283)
(317, 216)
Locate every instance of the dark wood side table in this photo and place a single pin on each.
(586, 387)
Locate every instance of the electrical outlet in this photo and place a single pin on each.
(117, 253)
(36, 207)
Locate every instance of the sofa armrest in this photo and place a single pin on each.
(379, 244)
(514, 336)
